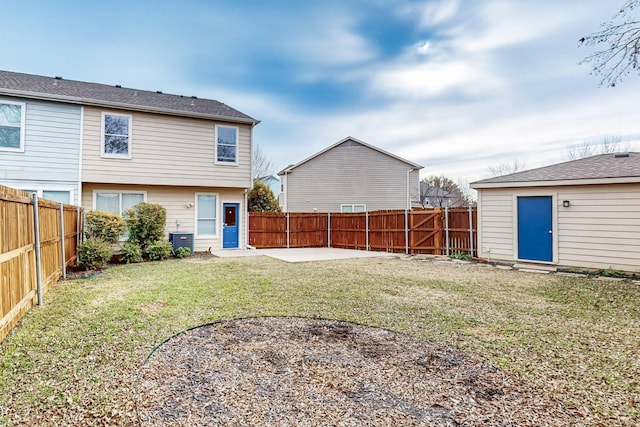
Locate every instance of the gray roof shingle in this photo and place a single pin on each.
(96, 94)
(603, 166)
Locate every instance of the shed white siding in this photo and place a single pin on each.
(51, 156)
(180, 205)
(348, 174)
(600, 228)
(165, 150)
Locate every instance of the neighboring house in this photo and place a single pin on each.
(273, 181)
(582, 213)
(112, 147)
(436, 197)
(350, 176)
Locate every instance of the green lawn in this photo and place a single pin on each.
(74, 360)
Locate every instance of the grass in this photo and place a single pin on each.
(74, 360)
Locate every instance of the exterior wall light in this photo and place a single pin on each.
(566, 203)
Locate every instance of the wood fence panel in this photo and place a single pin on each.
(308, 230)
(349, 230)
(18, 268)
(267, 230)
(387, 231)
(459, 236)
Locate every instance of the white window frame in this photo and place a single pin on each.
(353, 207)
(216, 219)
(120, 193)
(40, 190)
(223, 162)
(128, 155)
(23, 115)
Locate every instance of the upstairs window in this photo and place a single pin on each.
(116, 135)
(12, 126)
(226, 144)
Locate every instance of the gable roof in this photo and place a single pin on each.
(101, 95)
(611, 168)
(349, 138)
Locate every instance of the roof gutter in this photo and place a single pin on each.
(587, 181)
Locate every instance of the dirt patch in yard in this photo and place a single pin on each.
(287, 371)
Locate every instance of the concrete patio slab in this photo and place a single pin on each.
(303, 254)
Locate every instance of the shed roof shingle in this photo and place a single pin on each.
(84, 93)
(601, 167)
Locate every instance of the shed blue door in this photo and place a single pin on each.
(535, 228)
(230, 227)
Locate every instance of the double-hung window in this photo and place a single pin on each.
(206, 215)
(12, 126)
(116, 135)
(117, 202)
(226, 144)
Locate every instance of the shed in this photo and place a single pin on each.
(580, 213)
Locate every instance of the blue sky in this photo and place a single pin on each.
(456, 86)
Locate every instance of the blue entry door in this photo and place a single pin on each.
(535, 228)
(230, 227)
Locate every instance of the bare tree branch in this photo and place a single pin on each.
(609, 144)
(261, 165)
(621, 53)
(505, 168)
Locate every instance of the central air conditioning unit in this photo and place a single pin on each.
(181, 240)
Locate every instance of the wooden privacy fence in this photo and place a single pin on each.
(418, 231)
(38, 241)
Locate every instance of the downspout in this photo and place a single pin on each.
(79, 195)
(246, 192)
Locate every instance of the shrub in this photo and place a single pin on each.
(146, 222)
(105, 226)
(159, 250)
(94, 254)
(460, 255)
(261, 198)
(182, 252)
(131, 253)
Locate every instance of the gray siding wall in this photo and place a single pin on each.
(166, 150)
(349, 174)
(600, 229)
(51, 149)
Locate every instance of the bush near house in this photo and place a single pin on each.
(145, 222)
(94, 254)
(106, 226)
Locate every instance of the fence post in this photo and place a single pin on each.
(406, 231)
(366, 227)
(36, 228)
(328, 229)
(471, 230)
(64, 261)
(288, 230)
(446, 227)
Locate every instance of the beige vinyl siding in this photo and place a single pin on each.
(349, 174)
(495, 222)
(165, 150)
(600, 229)
(180, 205)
